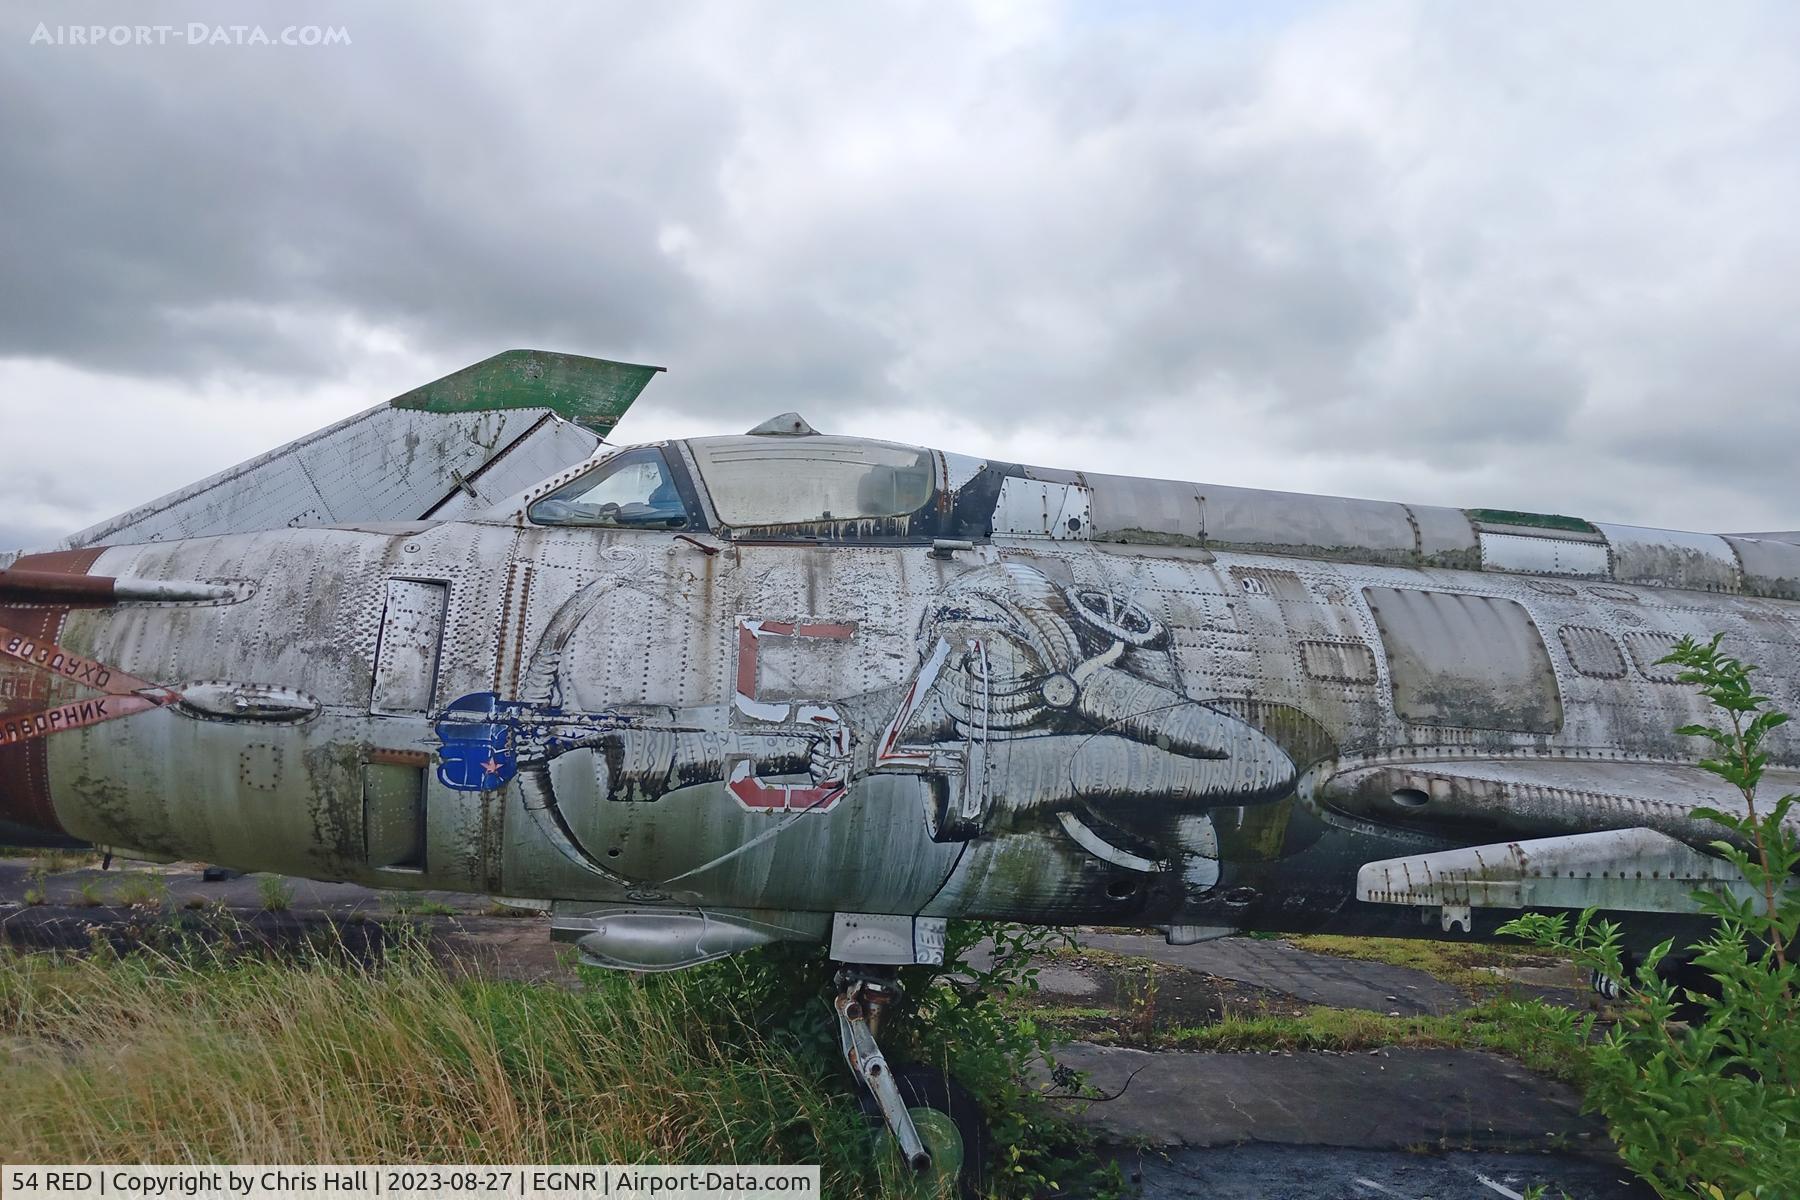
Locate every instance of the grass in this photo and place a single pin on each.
(1539, 1036)
(141, 891)
(1459, 963)
(1542, 1037)
(53, 860)
(499, 908)
(159, 1058)
(36, 885)
(412, 904)
(192, 1056)
(275, 893)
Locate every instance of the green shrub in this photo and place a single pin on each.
(966, 1020)
(962, 1018)
(1709, 1107)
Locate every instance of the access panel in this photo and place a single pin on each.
(406, 658)
(1467, 662)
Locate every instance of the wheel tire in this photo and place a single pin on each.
(949, 1122)
(1688, 976)
(1678, 970)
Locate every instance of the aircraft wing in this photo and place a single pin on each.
(1621, 870)
(440, 451)
(1547, 832)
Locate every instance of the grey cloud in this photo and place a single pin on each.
(161, 199)
(1399, 246)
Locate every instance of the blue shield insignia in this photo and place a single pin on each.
(476, 751)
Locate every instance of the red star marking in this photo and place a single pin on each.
(491, 766)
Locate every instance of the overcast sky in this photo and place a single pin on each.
(1542, 256)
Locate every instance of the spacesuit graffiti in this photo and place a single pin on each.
(1030, 703)
(1036, 701)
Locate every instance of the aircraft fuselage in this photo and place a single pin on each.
(1042, 730)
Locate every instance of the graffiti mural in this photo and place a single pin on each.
(1031, 704)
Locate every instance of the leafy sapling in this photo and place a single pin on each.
(1708, 1106)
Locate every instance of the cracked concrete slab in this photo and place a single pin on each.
(1280, 967)
(1396, 1098)
(1255, 1172)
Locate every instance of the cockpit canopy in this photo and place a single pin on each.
(763, 481)
(810, 486)
(631, 490)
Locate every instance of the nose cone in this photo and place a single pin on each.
(27, 816)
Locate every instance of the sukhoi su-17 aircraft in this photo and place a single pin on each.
(706, 694)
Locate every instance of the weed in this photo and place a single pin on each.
(966, 1019)
(142, 891)
(37, 883)
(1142, 1006)
(972, 1018)
(90, 896)
(412, 904)
(277, 895)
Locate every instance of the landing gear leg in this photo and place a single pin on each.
(863, 995)
(934, 1119)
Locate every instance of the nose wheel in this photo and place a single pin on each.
(949, 1123)
(934, 1120)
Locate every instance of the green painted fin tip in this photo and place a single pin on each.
(592, 392)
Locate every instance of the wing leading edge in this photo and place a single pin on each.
(1555, 833)
(453, 446)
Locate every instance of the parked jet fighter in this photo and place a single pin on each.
(707, 694)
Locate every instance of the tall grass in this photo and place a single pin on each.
(177, 1058)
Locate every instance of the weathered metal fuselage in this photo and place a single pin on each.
(1041, 729)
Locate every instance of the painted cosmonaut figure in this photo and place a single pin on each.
(1030, 702)
(1063, 702)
